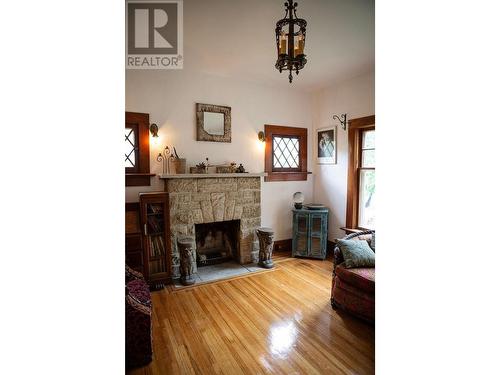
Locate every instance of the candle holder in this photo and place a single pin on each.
(165, 158)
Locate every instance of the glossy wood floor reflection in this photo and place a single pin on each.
(277, 322)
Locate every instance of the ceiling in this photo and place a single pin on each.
(235, 38)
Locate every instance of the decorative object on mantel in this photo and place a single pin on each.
(290, 42)
(200, 168)
(186, 246)
(342, 119)
(213, 123)
(224, 169)
(240, 169)
(165, 157)
(298, 199)
(327, 145)
(172, 163)
(231, 168)
(266, 242)
(178, 166)
(207, 168)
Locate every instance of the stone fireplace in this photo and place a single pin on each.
(205, 199)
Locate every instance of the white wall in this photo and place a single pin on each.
(169, 97)
(356, 97)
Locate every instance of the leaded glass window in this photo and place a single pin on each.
(285, 152)
(130, 148)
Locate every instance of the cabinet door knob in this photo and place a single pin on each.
(145, 229)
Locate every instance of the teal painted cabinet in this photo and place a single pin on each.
(310, 233)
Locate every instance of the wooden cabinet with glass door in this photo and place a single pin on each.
(156, 238)
(310, 232)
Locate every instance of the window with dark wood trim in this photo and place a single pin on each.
(137, 149)
(286, 153)
(360, 167)
(131, 148)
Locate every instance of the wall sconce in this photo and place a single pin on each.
(342, 119)
(262, 136)
(153, 128)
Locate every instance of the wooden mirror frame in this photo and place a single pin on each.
(201, 134)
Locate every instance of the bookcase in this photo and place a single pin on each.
(134, 254)
(310, 233)
(155, 227)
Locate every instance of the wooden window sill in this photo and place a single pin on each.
(353, 230)
(286, 176)
(350, 230)
(138, 179)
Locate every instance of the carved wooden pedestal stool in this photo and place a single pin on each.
(186, 246)
(266, 242)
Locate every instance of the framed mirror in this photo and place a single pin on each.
(213, 123)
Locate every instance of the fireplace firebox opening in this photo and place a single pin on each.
(217, 242)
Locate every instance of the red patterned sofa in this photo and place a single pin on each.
(138, 345)
(353, 289)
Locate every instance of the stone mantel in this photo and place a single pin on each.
(207, 198)
(211, 175)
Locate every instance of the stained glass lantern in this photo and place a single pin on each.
(290, 41)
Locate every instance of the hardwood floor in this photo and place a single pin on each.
(277, 322)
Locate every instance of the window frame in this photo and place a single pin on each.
(361, 168)
(135, 130)
(355, 138)
(140, 174)
(285, 174)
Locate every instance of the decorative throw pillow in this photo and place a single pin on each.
(356, 253)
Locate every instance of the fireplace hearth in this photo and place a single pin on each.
(217, 242)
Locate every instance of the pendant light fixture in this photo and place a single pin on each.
(290, 41)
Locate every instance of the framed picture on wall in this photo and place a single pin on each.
(326, 142)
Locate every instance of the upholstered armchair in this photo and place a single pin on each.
(138, 345)
(353, 289)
